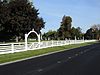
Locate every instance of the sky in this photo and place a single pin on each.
(84, 13)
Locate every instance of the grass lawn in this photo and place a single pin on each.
(16, 56)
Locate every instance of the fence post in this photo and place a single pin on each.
(69, 41)
(46, 44)
(57, 43)
(39, 38)
(52, 43)
(75, 40)
(83, 40)
(26, 41)
(12, 47)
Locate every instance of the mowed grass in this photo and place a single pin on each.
(21, 55)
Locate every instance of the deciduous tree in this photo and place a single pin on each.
(19, 17)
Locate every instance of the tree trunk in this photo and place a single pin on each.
(17, 38)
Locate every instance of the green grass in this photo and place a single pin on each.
(21, 55)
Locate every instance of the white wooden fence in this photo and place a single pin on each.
(19, 47)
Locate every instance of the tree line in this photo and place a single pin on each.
(66, 31)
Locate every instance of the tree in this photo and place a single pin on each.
(96, 27)
(4, 16)
(21, 17)
(93, 32)
(39, 24)
(76, 32)
(66, 23)
(50, 35)
(65, 28)
(96, 30)
(89, 34)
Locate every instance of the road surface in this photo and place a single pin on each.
(78, 61)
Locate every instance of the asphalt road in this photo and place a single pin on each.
(78, 61)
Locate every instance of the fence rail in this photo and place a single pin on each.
(19, 47)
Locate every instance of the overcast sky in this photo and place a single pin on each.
(84, 13)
